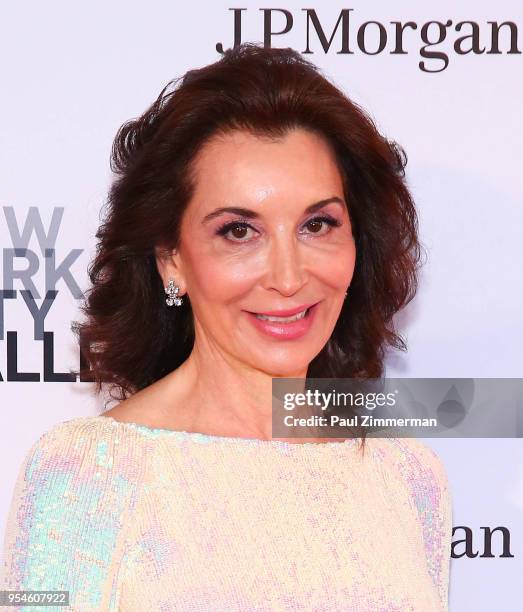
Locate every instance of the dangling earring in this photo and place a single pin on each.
(172, 291)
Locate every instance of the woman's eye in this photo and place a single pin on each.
(240, 231)
(236, 232)
(321, 225)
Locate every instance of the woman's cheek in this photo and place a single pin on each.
(334, 266)
(228, 275)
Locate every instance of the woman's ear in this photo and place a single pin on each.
(169, 265)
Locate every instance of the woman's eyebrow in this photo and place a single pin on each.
(251, 214)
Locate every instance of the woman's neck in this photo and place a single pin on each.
(212, 392)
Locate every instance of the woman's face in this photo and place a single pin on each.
(266, 232)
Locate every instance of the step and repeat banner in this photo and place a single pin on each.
(443, 79)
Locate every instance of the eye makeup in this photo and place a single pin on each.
(226, 227)
(324, 218)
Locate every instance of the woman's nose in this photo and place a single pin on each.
(286, 271)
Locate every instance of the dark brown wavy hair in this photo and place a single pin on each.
(130, 338)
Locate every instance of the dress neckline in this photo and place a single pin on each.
(210, 438)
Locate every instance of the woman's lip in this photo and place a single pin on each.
(286, 313)
(285, 331)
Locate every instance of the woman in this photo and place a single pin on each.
(259, 227)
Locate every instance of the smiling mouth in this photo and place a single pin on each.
(289, 319)
(292, 319)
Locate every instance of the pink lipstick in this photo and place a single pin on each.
(287, 324)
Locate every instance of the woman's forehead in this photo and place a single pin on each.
(241, 168)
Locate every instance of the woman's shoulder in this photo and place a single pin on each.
(415, 448)
(79, 429)
(418, 464)
(87, 446)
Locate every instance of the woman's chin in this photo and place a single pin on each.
(289, 368)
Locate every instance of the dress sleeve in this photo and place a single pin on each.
(429, 486)
(68, 523)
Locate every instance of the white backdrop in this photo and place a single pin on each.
(73, 73)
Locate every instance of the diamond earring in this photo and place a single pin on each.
(172, 291)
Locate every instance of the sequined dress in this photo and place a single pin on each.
(133, 519)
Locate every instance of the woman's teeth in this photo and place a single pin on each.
(295, 317)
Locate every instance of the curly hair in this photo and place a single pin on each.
(129, 338)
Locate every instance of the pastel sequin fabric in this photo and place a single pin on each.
(129, 518)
